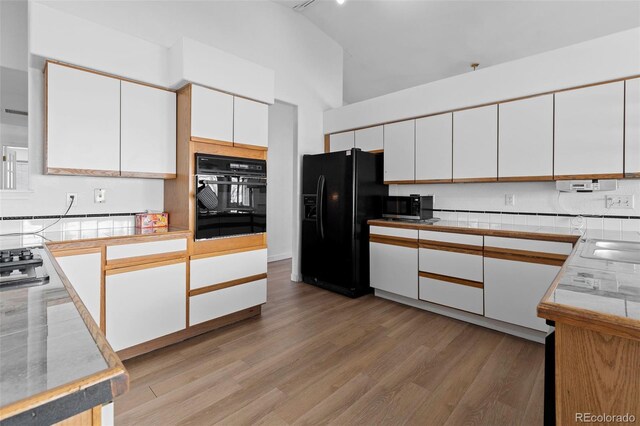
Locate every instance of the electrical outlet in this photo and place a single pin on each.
(619, 201)
(72, 197)
(99, 195)
(510, 200)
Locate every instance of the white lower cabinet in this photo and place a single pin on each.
(513, 290)
(394, 269)
(452, 264)
(455, 295)
(84, 273)
(145, 304)
(219, 269)
(218, 303)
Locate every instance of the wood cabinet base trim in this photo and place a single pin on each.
(590, 176)
(227, 284)
(187, 333)
(475, 180)
(432, 243)
(227, 150)
(399, 182)
(211, 141)
(441, 247)
(142, 266)
(148, 175)
(427, 181)
(249, 146)
(453, 280)
(525, 178)
(81, 172)
(393, 241)
(137, 260)
(495, 252)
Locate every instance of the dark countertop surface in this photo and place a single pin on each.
(55, 361)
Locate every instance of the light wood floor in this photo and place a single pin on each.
(315, 357)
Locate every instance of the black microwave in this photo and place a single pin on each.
(413, 207)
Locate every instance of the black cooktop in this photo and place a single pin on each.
(22, 266)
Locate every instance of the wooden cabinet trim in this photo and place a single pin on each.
(432, 243)
(596, 176)
(138, 260)
(377, 151)
(227, 284)
(449, 247)
(228, 150)
(148, 175)
(472, 180)
(248, 146)
(540, 258)
(82, 172)
(139, 267)
(433, 181)
(525, 253)
(398, 182)
(211, 141)
(394, 241)
(227, 252)
(524, 178)
(452, 280)
(222, 245)
(75, 252)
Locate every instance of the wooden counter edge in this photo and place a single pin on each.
(115, 372)
(604, 323)
(116, 240)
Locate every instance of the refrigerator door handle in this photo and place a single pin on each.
(320, 207)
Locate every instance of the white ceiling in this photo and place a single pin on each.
(391, 45)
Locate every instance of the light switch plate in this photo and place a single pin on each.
(99, 195)
(510, 200)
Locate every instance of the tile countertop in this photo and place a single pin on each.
(597, 294)
(8, 241)
(55, 361)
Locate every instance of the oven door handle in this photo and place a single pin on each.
(217, 182)
(320, 207)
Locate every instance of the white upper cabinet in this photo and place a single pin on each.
(399, 151)
(148, 134)
(434, 148)
(370, 139)
(632, 128)
(83, 122)
(341, 141)
(526, 138)
(250, 122)
(211, 114)
(475, 144)
(589, 126)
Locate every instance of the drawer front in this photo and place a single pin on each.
(215, 304)
(220, 269)
(529, 245)
(150, 248)
(459, 296)
(452, 264)
(394, 232)
(449, 237)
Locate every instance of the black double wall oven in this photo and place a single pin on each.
(231, 196)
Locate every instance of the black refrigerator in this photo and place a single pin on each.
(340, 192)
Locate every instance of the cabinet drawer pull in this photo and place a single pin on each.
(394, 241)
(453, 280)
(227, 284)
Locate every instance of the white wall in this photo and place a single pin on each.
(601, 59)
(280, 198)
(307, 65)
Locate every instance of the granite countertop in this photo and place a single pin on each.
(596, 293)
(55, 360)
(51, 237)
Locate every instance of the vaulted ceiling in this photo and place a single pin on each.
(390, 45)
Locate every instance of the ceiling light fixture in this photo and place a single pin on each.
(340, 1)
